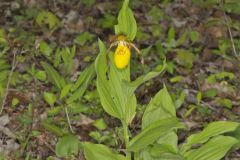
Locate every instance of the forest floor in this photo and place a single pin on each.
(202, 72)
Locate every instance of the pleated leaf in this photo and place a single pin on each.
(214, 149)
(213, 129)
(160, 107)
(102, 83)
(126, 22)
(53, 76)
(101, 152)
(79, 88)
(153, 132)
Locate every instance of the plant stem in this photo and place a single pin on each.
(136, 156)
(126, 139)
(14, 65)
(68, 119)
(237, 55)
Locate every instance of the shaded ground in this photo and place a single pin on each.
(202, 73)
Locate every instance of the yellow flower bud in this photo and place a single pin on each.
(122, 56)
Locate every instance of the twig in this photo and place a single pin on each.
(202, 102)
(208, 105)
(229, 31)
(14, 64)
(47, 144)
(7, 132)
(68, 119)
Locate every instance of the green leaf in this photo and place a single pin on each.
(15, 102)
(220, 76)
(57, 57)
(67, 146)
(1, 90)
(53, 21)
(185, 58)
(153, 132)
(164, 149)
(75, 108)
(213, 129)
(199, 97)
(215, 149)
(82, 83)
(226, 103)
(36, 133)
(190, 110)
(41, 75)
(88, 72)
(182, 38)
(126, 22)
(54, 111)
(100, 124)
(102, 83)
(210, 93)
(232, 7)
(2, 157)
(3, 39)
(4, 64)
(171, 34)
(88, 2)
(156, 14)
(99, 151)
(53, 128)
(96, 135)
(53, 75)
(40, 18)
(50, 98)
(147, 155)
(123, 97)
(45, 49)
(146, 51)
(83, 38)
(107, 21)
(180, 100)
(67, 57)
(65, 91)
(3, 75)
(47, 18)
(169, 142)
(194, 35)
(176, 79)
(161, 152)
(160, 107)
(140, 80)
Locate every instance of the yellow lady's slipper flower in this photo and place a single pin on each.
(122, 55)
